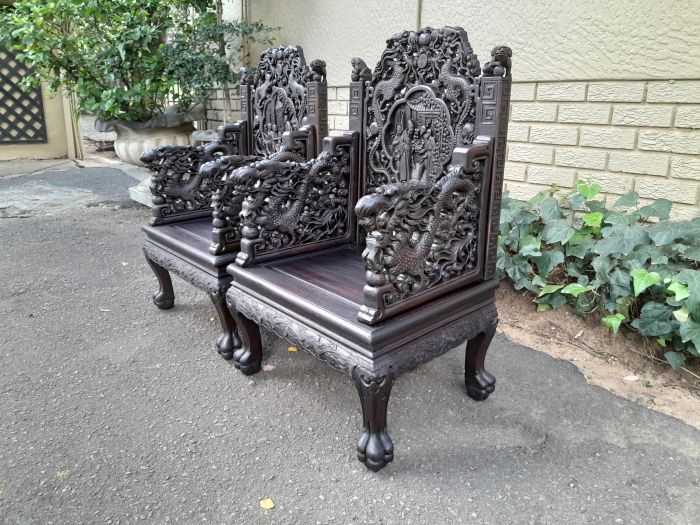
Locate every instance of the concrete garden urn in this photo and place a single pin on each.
(133, 138)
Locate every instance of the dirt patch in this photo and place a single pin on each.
(625, 364)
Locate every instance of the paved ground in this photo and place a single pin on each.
(112, 411)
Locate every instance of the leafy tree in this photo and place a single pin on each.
(128, 59)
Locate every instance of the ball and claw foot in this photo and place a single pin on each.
(226, 344)
(244, 360)
(163, 300)
(375, 449)
(480, 385)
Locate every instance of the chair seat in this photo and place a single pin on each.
(190, 240)
(324, 290)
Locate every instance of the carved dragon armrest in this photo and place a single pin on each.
(421, 235)
(228, 198)
(293, 207)
(180, 191)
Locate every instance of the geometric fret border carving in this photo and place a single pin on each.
(21, 112)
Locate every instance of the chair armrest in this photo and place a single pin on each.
(423, 235)
(289, 208)
(179, 190)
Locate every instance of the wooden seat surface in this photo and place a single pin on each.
(190, 240)
(325, 290)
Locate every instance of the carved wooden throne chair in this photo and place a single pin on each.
(376, 286)
(189, 234)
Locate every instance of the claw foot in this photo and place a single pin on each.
(480, 385)
(227, 343)
(375, 449)
(163, 300)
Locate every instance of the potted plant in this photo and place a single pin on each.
(142, 67)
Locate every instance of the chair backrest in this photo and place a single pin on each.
(434, 127)
(284, 94)
(420, 105)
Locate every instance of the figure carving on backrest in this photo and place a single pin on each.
(279, 95)
(411, 137)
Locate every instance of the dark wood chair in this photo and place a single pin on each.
(380, 254)
(188, 234)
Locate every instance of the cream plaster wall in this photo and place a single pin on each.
(604, 90)
(336, 31)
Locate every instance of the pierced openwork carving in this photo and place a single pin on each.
(408, 125)
(177, 186)
(227, 202)
(280, 95)
(291, 203)
(422, 234)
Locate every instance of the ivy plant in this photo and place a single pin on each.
(626, 262)
(128, 59)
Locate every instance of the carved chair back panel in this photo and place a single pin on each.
(420, 105)
(279, 96)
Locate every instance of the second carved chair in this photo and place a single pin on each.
(189, 234)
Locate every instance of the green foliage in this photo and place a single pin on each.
(609, 260)
(126, 59)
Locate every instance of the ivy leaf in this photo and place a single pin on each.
(692, 254)
(665, 232)
(548, 260)
(538, 281)
(550, 288)
(613, 321)
(654, 320)
(588, 190)
(680, 291)
(660, 208)
(619, 219)
(620, 283)
(549, 209)
(579, 250)
(675, 359)
(622, 240)
(641, 280)
(554, 300)
(681, 315)
(558, 231)
(530, 245)
(593, 219)
(690, 331)
(627, 200)
(519, 268)
(576, 289)
(692, 279)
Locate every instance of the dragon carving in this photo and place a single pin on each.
(176, 185)
(420, 234)
(289, 202)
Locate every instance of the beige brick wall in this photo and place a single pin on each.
(626, 135)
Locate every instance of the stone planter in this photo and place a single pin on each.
(133, 138)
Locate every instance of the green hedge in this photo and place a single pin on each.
(611, 260)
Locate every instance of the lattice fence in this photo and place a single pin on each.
(21, 111)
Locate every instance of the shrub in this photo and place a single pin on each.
(609, 260)
(128, 59)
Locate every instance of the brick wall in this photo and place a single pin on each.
(641, 136)
(216, 108)
(628, 135)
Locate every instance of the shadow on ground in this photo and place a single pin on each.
(112, 411)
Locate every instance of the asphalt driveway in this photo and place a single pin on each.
(112, 411)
